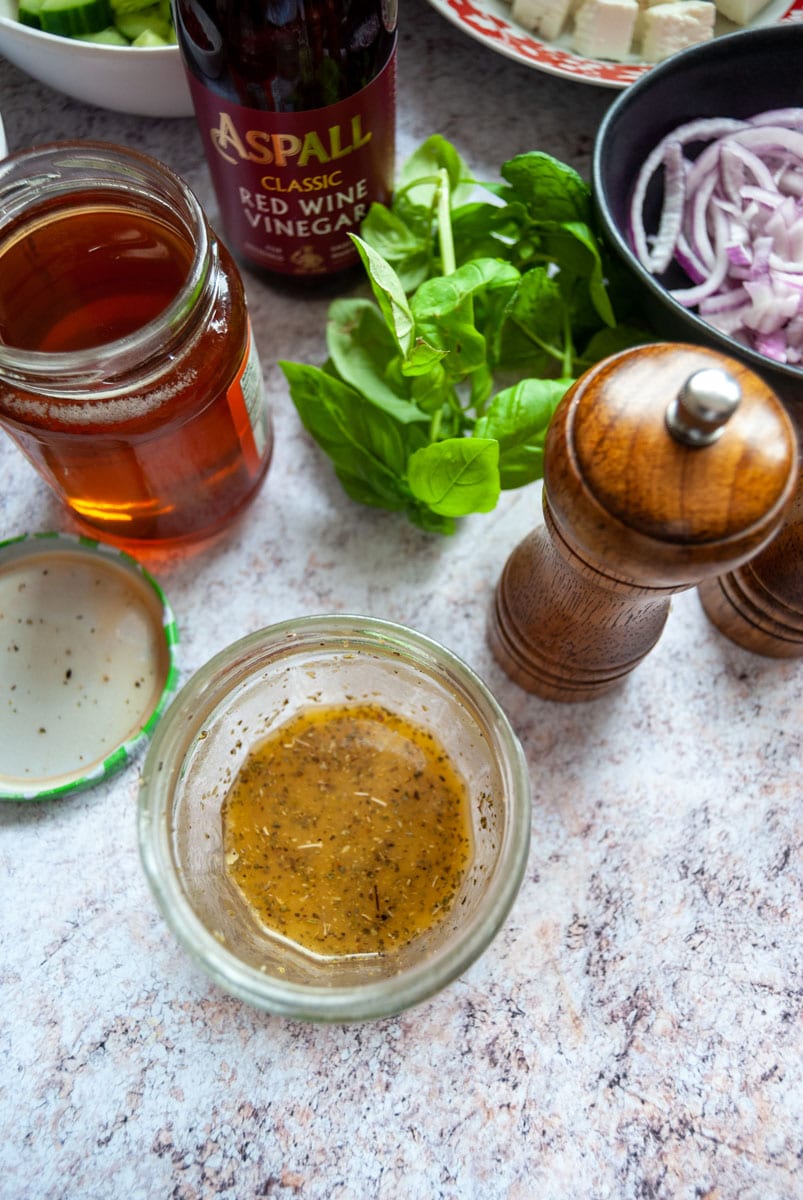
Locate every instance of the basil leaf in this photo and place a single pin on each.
(552, 190)
(390, 295)
(538, 307)
(444, 314)
(590, 267)
(611, 341)
(418, 177)
(389, 235)
(432, 390)
(374, 494)
(360, 438)
(518, 419)
(407, 246)
(419, 514)
(429, 521)
(457, 476)
(482, 386)
(362, 349)
(422, 359)
(478, 232)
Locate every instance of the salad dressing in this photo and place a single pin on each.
(347, 831)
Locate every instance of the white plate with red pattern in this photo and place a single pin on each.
(490, 22)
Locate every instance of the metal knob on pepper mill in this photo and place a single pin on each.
(663, 466)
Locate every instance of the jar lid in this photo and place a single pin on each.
(87, 662)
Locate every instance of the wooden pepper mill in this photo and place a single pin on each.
(760, 604)
(663, 465)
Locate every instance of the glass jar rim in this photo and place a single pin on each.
(174, 736)
(31, 177)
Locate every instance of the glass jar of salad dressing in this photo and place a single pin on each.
(128, 373)
(334, 818)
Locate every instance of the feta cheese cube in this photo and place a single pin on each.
(547, 17)
(604, 28)
(740, 11)
(667, 28)
(638, 32)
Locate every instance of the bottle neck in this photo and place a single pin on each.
(286, 58)
(36, 189)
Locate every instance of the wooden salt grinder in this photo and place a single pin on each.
(663, 465)
(759, 605)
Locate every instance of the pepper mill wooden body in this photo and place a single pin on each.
(663, 465)
(760, 604)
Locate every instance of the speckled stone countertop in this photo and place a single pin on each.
(635, 1029)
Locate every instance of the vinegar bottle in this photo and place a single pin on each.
(295, 101)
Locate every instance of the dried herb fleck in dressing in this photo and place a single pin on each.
(348, 831)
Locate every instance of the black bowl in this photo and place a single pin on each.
(737, 75)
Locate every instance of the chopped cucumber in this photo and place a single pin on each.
(72, 17)
(121, 7)
(105, 22)
(133, 25)
(29, 13)
(105, 37)
(147, 38)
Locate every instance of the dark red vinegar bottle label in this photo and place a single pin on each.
(291, 187)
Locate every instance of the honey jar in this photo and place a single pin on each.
(128, 371)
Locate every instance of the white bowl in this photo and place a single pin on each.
(143, 80)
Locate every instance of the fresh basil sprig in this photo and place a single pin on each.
(438, 393)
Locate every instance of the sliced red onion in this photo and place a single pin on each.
(762, 249)
(672, 215)
(688, 260)
(697, 226)
(733, 153)
(790, 180)
(773, 345)
(718, 272)
(723, 302)
(790, 117)
(732, 219)
(702, 130)
(770, 310)
(738, 255)
(766, 137)
(764, 197)
(791, 280)
(730, 321)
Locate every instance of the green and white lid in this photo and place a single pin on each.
(87, 662)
